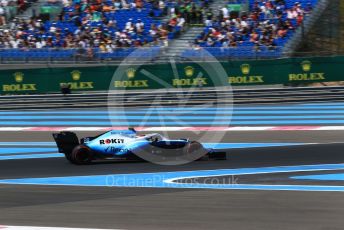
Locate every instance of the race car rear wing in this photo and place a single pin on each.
(66, 141)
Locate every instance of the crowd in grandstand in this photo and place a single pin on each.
(267, 23)
(190, 11)
(103, 24)
(9, 8)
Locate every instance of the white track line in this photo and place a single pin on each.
(195, 129)
(44, 228)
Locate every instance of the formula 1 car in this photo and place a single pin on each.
(128, 145)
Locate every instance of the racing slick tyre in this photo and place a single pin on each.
(81, 155)
(193, 146)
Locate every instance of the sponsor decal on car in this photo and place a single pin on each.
(112, 149)
(111, 141)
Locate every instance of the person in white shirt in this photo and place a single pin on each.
(39, 44)
(82, 44)
(172, 10)
(4, 3)
(244, 24)
(14, 43)
(129, 24)
(65, 3)
(139, 25)
(208, 23)
(161, 5)
(125, 5)
(181, 22)
(225, 12)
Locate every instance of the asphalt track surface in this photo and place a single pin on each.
(170, 208)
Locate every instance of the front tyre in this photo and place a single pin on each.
(195, 151)
(81, 155)
(193, 146)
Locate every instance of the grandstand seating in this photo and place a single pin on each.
(91, 20)
(94, 19)
(10, 8)
(244, 46)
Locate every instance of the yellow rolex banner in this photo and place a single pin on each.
(179, 75)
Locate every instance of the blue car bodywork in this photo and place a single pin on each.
(126, 145)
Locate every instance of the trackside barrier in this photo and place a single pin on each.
(260, 72)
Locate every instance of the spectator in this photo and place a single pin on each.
(267, 22)
(2, 15)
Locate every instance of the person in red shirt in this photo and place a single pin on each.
(299, 19)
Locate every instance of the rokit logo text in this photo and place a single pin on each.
(111, 141)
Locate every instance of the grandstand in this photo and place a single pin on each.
(326, 35)
(11, 8)
(110, 30)
(262, 32)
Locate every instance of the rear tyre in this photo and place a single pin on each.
(81, 155)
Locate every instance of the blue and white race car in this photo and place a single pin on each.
(128, 145)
